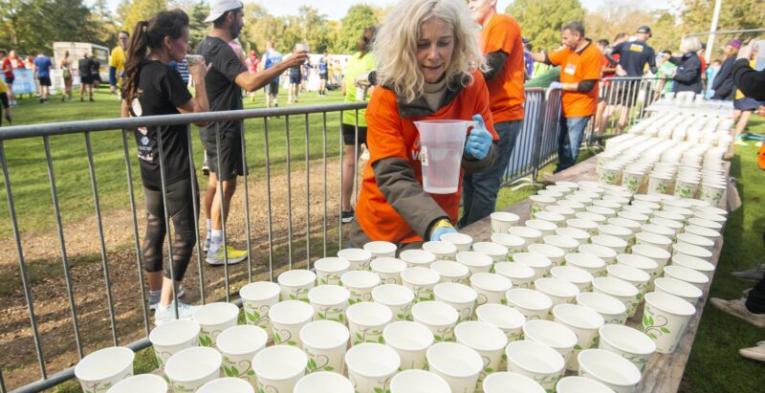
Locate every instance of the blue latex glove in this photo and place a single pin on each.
(556, 85)
(479, 140)
(438, 232)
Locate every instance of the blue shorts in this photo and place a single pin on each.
(746, 104)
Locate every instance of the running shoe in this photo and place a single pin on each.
(154, 296)
(234, 256)
(347, 216)
(165, 314)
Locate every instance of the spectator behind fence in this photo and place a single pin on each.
(117, 62)
(634, 56)
(85, 67)
(5, 104)
(271, 57)
(750, 308)
(665, 73)
(224, 82)
(66, 75)
(359, 65)
(42, 71)
(438, 78)
(581, 64)
(722, 84)
(502, 44)
(688, 74)
(152, 87)
(323, 74)
(6, 62)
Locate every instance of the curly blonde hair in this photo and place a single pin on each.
(395, 47)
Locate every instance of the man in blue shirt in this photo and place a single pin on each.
(271, 57)
(42, 67)
(323, 75)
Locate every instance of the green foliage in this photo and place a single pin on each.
(541, 20)
(31, 26)
(359, 17)
(132, 11)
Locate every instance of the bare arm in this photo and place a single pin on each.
(252, 81)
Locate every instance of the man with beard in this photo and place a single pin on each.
(226, 78)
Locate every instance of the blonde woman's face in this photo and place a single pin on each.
(435, 47)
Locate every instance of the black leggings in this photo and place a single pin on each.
(180, 210)
(755, 302)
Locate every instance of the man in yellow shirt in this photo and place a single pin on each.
(117, 61)
(4, 103)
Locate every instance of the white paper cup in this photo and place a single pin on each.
(238, 345)
(584, 322)
(439, 317)
(710, 234)
(553, 253)
(681, 289)
(532, 304)
(553, 334)
(712, 193)
(388, 269)
(588, 262)
(496, 251)
(357, 257)
(491, 287)
(539, 202)
(485, 339)
(499, 382)
(716, 226)
(617, 244)
(505, 318)
(529, 235)
(639, 278)
(600, 210)
(460, 240)
(380, 249)
(629, 343)
(193, 367)
(691, 250)
(329, 270)
(659, 230)
(371, 367)
(475, 261)
(580, 235)
(228, 385)
(658, 254)
(360, 284)
(397, 298)
(325, 343)
(653, 239)
(100, 370)
(458, 364)
(257, 299)
(502, 221)
(329, 302)
(366, 321)
(693, 277)
(609, 368)
(547, 228)
(173, 337)
(565, 243)
(287, 318)
(442, 250)
(295, 284)
(555, 218)
(575, 203)
(537, 361)
(633, 216)
(560, 210)
(559, 291)
(421, 281)
(145, 383)
(324, 382)
(576, 384)
(538, 262)
(417, 258)
(409, 381)
(665, 318)
(577, 276)
(451, 271)
(589, 226)
(620, 289)
(648, 265)
(521, 275)
(410, 340)
(513, 243)
(459, 296)
(213, 318)
(279, 368)
(616, 231)
(610, 308)
(694, 263)
(675, 226)
(605, 253)
(669, 215)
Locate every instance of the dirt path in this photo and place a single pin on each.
(42, 252)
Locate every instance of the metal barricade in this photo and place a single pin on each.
(621, 103)
(522, 161)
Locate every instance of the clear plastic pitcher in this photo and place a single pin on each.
(442, 143)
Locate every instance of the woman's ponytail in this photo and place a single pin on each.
(136, 53)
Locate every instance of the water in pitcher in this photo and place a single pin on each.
(442, 143)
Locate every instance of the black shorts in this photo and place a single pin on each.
(272, 87)
(44, 80)
(746, 104)
(86, 79)
(295, 79)
(231, 164)
(349, 135)
(9, 79)
(323, 77)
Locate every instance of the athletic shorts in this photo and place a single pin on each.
(9, 80)
(323, 76)
(272, 87)
(295, 79)
(746, 104)
(44, 80)
(231, 164)
(349, 135)
(86, 79)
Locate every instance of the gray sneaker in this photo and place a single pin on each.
(154, 297)
(166, 314)
(754, 274)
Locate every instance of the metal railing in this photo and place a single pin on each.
(279, 243)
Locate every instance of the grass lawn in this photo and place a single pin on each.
(29, 176)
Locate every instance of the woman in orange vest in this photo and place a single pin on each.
(428, 68)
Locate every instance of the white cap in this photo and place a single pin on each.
(219, 7)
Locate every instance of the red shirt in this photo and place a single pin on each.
(8, 67)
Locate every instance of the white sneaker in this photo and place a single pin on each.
(233, 256)
(164, 314)
(154, 296)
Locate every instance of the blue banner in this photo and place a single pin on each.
(24, 82)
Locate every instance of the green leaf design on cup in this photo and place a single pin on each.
(205, 340)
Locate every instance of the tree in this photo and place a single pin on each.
(541, 20)
(358, 18)
(734, 15)
(131, 12)
(33, 25)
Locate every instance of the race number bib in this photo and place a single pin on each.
(636, 48)
(570, 69)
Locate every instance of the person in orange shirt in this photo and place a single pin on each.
(501, 43)
(428, 68)
(581, 63)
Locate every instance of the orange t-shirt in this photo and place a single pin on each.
(586, 64)
(502, 33)
(390, 135)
